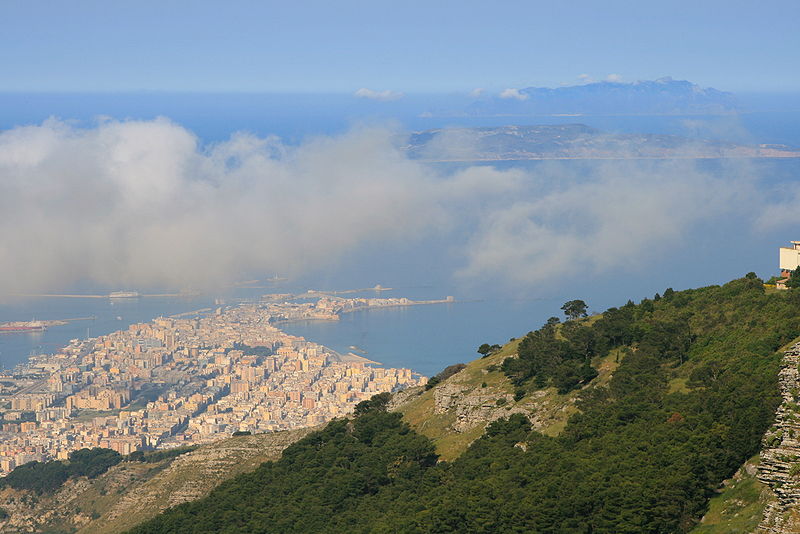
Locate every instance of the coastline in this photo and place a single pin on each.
(206, 372)
(29, 366)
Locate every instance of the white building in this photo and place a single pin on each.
(789, 258)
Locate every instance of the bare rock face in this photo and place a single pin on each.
(780, 455)
(66, 510)
(475, 406)
(132, 492)
(192, 476)
(404, 395)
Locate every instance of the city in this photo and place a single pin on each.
(189, 379)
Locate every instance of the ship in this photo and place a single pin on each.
(123, 294)
(23, 326)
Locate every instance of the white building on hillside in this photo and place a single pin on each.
(788, 261)
(789, 258)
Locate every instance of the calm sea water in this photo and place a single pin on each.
(425, 337)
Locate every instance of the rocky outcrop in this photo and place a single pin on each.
(192, 476)
(455, 412)
(132, 492)
(74, 505)
(399, 398)
(780, 456)
(474, 406)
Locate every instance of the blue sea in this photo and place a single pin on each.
(425, 338)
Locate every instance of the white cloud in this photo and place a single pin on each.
(384, 96)
(585, 78)
(513, 93)
(477, 92)
(621, 218)
(616, 78)
(143, 204)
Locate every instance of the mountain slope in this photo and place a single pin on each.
(695, 390)
(133, 491)
(739, 506)
(779, 465)
(456, 413)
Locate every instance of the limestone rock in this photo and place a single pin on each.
(780, 455)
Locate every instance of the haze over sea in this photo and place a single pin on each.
(712, 249)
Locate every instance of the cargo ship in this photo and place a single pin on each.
(23, 326)
(124, 294)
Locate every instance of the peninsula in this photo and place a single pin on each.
(186, 380)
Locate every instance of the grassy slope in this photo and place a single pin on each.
(131, 492)
(552, 410)
(739, 506)
(419, 411)
(192, 476)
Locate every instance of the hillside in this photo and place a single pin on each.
(629, 422)
(133, 491)
(739, 506)
(456, 412)
(570, 141)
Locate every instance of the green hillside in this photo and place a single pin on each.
(133, 490)
(650, 443)
(739, 507)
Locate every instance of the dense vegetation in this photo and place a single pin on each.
(694, 391)
(46, 477)
(153, 457)
(443, 375)
(557, 354)
(251, 351)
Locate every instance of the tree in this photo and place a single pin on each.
(377, 403)
(485, 349)
(794, 279)
(574, 309)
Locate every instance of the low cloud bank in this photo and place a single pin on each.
(625, 217)
(144, 204)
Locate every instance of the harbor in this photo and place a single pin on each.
(13, 327)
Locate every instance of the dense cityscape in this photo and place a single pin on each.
(188, 379)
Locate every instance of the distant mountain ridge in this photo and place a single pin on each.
(661, 96)
(570, 141)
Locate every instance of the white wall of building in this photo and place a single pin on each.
(789, 258)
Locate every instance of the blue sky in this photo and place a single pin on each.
(408, 46)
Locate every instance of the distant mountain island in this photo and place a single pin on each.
(661, 96)
(571, 141)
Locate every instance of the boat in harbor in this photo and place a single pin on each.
(124, 294)
(22, 326)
